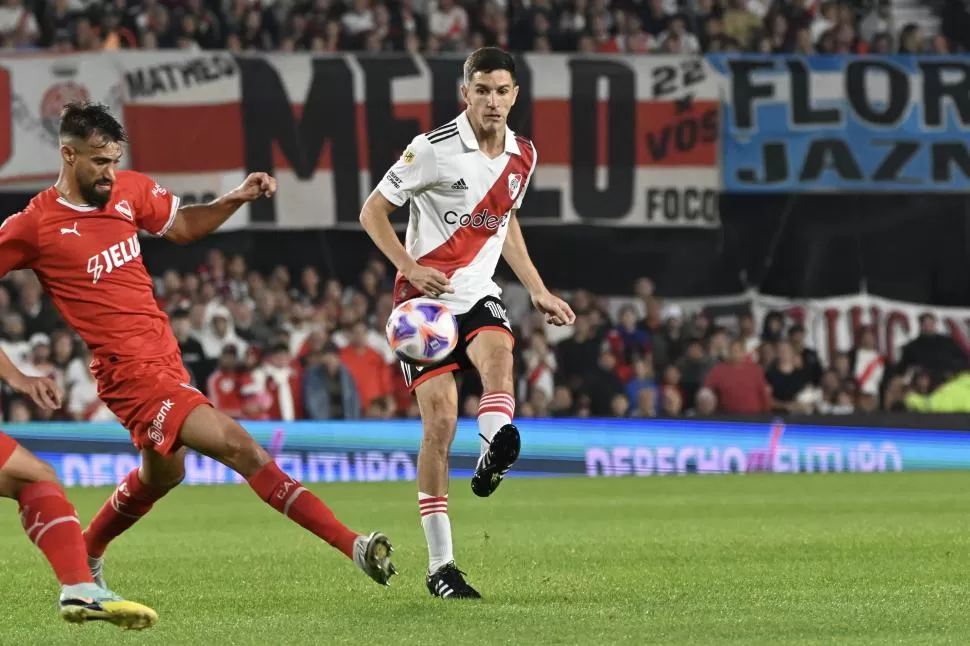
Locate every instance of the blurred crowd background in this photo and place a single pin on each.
(430, 26)
(307, 346)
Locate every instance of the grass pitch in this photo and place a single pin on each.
(760, 559)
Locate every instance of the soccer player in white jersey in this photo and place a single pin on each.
(465, 180)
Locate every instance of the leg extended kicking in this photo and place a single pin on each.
(216, 435)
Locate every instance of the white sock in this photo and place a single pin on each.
(437, 529)
(494, 411)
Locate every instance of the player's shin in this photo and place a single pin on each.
(495, 410)
(433, 502)
(51, 522)
(293, 500)
(131, 500)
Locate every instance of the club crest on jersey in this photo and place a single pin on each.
(124, 208)
(515, 185)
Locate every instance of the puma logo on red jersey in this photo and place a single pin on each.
(113, 257)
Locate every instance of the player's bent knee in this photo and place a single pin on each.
(496, 372)
(242, 453)
(163, 472)
(45, 472)
(24, 468)
(218, 436)
(491, 353)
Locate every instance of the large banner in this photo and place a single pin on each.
(837, 123)
(831, 324)
(372, 451)
(622, 141)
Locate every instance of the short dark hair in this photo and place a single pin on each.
(489, 59)
(84, 119)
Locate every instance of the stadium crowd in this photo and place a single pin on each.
(430, 26)
(308, 347)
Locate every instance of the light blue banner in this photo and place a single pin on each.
(844, 123)
(97, 454)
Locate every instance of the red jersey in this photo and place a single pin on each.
(89, 261)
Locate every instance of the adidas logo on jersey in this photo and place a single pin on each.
(460, 185)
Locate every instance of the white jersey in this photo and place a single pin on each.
(461, 202)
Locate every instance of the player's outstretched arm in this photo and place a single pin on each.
(375, 217)
(43, 391)
(199, 220)
(516, 254)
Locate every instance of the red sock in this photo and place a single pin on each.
(290, 498)
(129, 502)
(51, 522)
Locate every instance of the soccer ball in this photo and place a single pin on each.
(422, 331)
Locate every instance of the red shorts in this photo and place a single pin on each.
(151, 398)
(7, 446)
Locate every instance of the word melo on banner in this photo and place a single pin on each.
(623, 141)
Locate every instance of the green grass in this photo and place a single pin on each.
(820, 559)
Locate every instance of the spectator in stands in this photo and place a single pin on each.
(869, 366)
(39, 362)
(934, 353)
(219, 332)
(911, 40)
(705, 403)
(329, 391)
(18, 25)
(739, 385)
(370, 372)
(62, 352)
(645, 404)
(193, 356)
(628, 340)
(225, 385)
(828, 391)
(539, 367)
(693, 367)
(740, 24)
(602, 385)
(808, 358)
(748, 335)
(448, 22)
(673, 403)
(562, 404)
(39, 315)
(579, 354)
(788, 381)
(281, 381)
(642, 379)
(20, 412)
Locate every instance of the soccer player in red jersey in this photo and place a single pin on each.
(80, 237)
(51, 522)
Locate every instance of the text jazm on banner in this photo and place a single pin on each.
(845, 123)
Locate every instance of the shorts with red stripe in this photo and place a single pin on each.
(7, 446)
(487, 314)
(151, 397)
